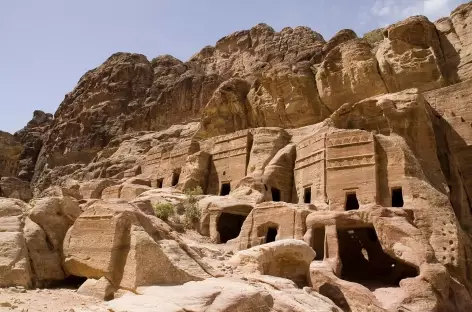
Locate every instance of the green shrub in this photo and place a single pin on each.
(374, 37)
(164, 210)
(192, 213)
(154, 62)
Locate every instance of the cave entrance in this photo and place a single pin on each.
(319, 242)
(175, 177)
(225, 189)
(271, 234)
(159, 183)
(351, 201)
(229, 226)
(397, 197)
(364, 262)
(275, 194)
(307, 195)
(70, 282)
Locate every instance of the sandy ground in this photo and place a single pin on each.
(42, 300)
(67, 299)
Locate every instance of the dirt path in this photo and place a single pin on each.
(46, 300)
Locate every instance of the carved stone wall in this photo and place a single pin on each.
(350, 168)
(163, 163)
(285, 220)
(230, 156)
(310, 169)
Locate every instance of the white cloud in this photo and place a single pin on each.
(388, 11)
(437, 8)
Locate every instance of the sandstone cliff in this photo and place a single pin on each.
(341, 165)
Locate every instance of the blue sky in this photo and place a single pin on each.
(46, 46)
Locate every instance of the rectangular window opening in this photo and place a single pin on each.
(175, 178)
(351, 201)
(225, 189)
(307, 195)
(271, 234)
(275, 194)
(397, 197)
(319, 242)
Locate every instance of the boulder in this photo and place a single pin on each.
(95, 246)
(93, 189)
(61, 191)
(117, 241)
(209, 295)
(347, 295)
(14, 261)
(157, 263)
(287, 258)
(45, 229)
(226, 294)
(130, 191)
(55, 215)
(46, 262)
(101, 289)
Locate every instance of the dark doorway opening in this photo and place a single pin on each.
(159, 183)
(307, 195)
(229, 226)
(225, 189)
(351, 201)
(70, 282)
(175, 177)
(397, 197)
(271, 234)
(319, 242)
(275, 194)
(364, 261)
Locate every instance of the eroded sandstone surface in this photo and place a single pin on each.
(274, 171)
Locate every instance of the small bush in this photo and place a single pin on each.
(194, 192)
(192, 213)
(154, 62)
(374, 37)
(164, 210)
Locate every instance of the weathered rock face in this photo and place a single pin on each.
(349, 73)
(411, 56)
(342, 165)
(15, 188)
(285, 96)
(454, 32)
(227, 110)
(32, 137)
(14, 264)
(260, 46)
(10, 155)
